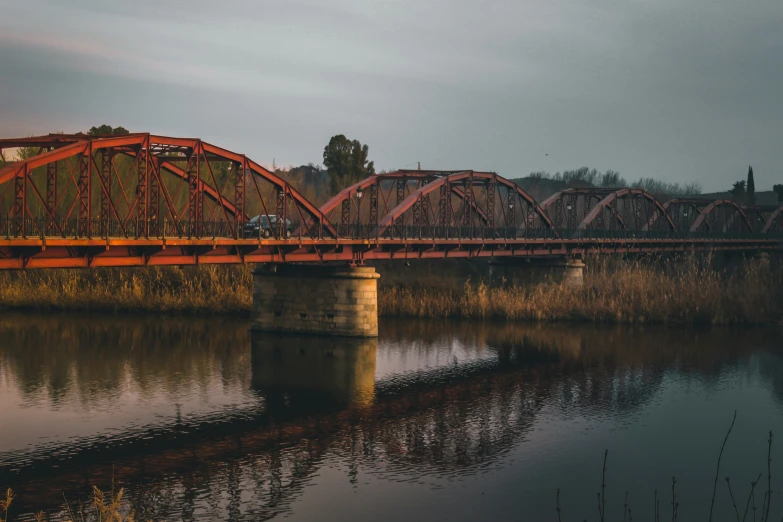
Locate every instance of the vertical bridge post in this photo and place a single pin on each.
(324, 300)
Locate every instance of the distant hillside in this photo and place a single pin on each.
(543, 184)
(542, 188)
(765, 198)
(309, 180)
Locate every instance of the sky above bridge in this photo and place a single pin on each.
(678, 90)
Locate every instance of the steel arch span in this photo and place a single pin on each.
(608, 212)
(142, 186)
(723, 217)
(634, 208)
(764, 218)
(774, 222)
(54, 141)
(466, 205)
(682, 212)
(384, 192)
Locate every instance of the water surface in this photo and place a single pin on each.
(198, 419)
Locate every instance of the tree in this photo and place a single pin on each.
(751, 187)
(611, 178)
(778, 189)
(24, 153)
(738, 191)
(346, 162)
(106, 130)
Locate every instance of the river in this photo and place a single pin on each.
(200, 419)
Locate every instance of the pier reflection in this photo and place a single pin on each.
(299, 374)
(255, 419)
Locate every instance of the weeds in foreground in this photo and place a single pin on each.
(112, 508)
(675, 503)
(5, 504)
(109, 510)
(103, 508)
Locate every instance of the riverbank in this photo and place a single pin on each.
(207, 289)
(685, 291)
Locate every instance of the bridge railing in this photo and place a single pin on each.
(620, 234)
(411, 232)
(440, 232)
(590, 234)
(41, 227)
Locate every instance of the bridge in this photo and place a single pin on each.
(146, 200)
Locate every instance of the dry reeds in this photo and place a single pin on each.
(205, 289)
(5, 504)
(686, 291)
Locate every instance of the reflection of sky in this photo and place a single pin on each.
(35, 421)
(684, 91)
(417, 355)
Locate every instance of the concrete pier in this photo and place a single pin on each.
(324, 300)
(532, 271)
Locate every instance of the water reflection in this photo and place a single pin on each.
(200, 420)
(81, 358)
(303, 374)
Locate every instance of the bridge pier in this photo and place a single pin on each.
(323, 300)
(533, 271)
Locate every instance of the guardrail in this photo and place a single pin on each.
(13, 228)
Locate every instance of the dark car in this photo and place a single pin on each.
(265, 227)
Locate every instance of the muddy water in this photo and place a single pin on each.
(200, 420)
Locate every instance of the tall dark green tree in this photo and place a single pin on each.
(738, 191)
(778, 189)
(347, 162)
(750, 188)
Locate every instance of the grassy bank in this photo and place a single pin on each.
(199, 290)
(627, 292)
(685, 291)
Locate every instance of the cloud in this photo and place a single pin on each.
(678, 90)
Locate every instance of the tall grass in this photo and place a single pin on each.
(687, 290)
(206, 289)
(101, 509)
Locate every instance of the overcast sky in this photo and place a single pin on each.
(681, 90)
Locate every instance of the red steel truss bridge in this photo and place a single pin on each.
(141, 199)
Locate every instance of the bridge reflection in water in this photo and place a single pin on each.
(200, 420)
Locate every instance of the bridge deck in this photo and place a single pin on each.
(54, 252)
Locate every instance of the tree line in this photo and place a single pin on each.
(744, 191)
(586, 176)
